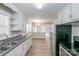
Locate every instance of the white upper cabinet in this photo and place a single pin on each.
(11, 6)
(16, 21)
(75, 11)
(69, 13)
(20, 18)
(66, 14)
(60, 17)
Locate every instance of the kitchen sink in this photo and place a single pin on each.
(2, 49)
(5, 47)
(13, 43)
(8, 44)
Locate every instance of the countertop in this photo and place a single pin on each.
(19, 41)
(73, 51)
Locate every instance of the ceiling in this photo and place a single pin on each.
(50, 10)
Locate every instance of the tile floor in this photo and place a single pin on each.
(39, 48)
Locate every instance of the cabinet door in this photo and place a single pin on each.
(20, 18)
(29, 42)
(25, 47)
(18, 51)
(11, 53)
(60, 17)
(66, 14)
(11, 6)
(75, 11)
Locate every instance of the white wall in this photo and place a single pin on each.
(38, 35)
(40, 32)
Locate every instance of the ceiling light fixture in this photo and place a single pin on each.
(39, 5)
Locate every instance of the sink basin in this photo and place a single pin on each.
(5, 47)
(2, 49)
(13, 43)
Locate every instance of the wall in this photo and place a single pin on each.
(38, 35)
(43, 31)
(41, 28)
(75, 31)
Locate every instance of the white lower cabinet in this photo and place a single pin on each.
(26, 45)
(18, 51)
(29, 43)
(22, 49)
(63, 52)
(11, 53)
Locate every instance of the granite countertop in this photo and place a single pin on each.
(73, 51)
(19, 41)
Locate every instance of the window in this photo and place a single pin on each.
(3, 19)
(4, 24)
